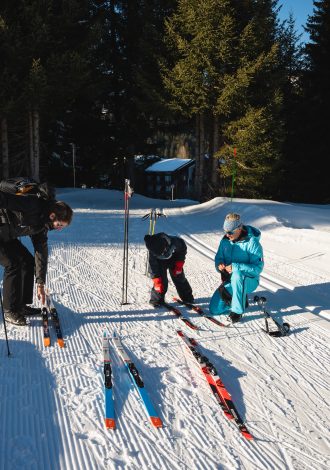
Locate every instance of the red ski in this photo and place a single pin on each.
(178, 313)
(200, 311)
(218, 388)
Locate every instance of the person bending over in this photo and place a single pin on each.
(167, 253)
(31, 216)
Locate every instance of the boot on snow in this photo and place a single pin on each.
(16, 318)
(234, 317)
(28, 311)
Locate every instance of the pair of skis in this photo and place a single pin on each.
(282, 329)
(137, 380)
(49, 310)
(200, 311)
(193, 307)
(218, 388)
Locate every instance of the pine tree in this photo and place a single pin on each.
(226, 66)
(291, 57)
(316, 131)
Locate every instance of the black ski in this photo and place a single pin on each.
(200, 311)
(45, 326)
(179, 315)
(56, 321)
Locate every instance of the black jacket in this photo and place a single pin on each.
(27, 216)
(179, 254)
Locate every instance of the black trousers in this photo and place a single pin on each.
(181, 283)
(18, 275)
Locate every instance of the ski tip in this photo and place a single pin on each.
(46, 342)
(156, 421)
(110, 423)
(60, 342)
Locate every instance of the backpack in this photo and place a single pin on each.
(25, 186)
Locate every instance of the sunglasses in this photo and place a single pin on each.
(231, 232)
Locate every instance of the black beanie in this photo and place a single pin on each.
(156, 243)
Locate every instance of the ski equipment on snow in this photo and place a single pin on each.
(109, 418)
(55, 320)
(218, 388)
(127, 195)
(49, 310)
(45, 325)
(179, 315)
(282, 330)
(200, 311)
(138, 383)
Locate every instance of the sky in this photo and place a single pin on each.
(300, 9)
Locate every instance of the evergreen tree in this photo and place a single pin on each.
(293, 114)
(131, 49)
(226, 65)
(316, 129)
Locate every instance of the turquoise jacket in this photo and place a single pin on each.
(245, 255)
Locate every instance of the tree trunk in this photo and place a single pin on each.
(215, 165)
(31, 156)
(201, 154)
(4, 148)
(197, 156)
(34, 144)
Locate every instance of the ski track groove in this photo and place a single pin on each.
(286, 461)
(88, 294)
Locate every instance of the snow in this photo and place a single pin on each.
(168, 164)
(52, 398)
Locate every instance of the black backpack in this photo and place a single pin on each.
(25, 186)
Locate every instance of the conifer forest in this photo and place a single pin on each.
(227, 83)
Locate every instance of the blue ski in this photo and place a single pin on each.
(138, 382)
(109, 419)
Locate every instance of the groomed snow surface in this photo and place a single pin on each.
(52, 399)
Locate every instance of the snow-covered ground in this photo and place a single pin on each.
(52, 402)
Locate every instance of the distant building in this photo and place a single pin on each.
(170, 176)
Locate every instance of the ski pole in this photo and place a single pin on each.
(127, 194)
(4, 324)
(153, 215)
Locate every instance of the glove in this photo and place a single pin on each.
(178, 267)
(158, 285)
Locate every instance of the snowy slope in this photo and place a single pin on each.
(52, 399)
